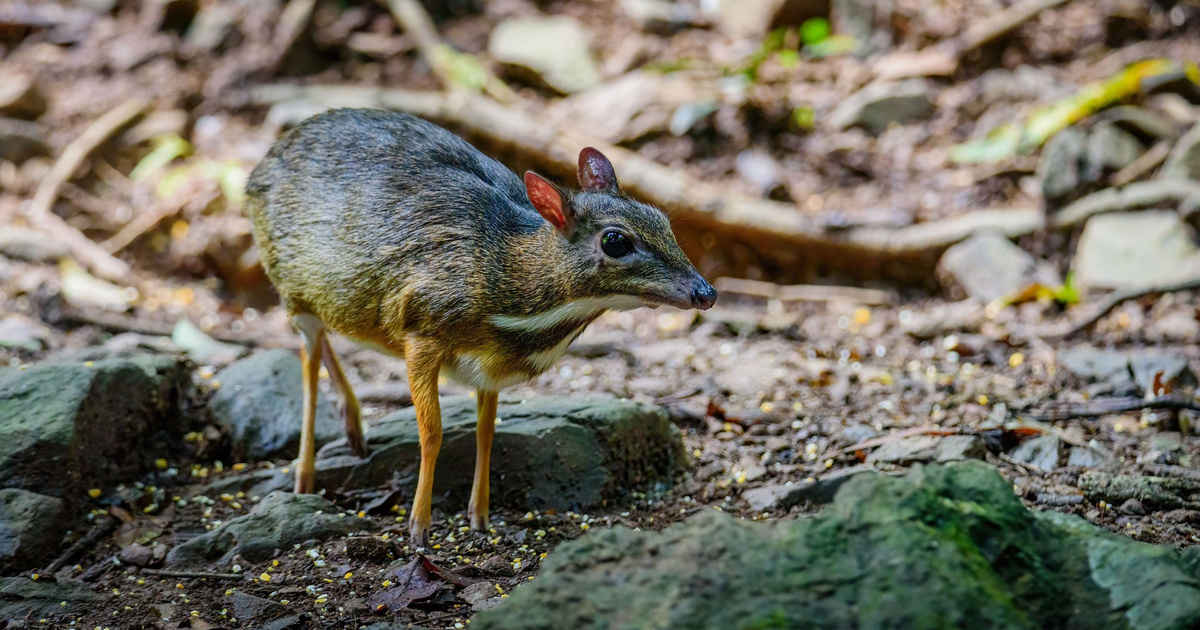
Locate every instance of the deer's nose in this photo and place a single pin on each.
(703, 294)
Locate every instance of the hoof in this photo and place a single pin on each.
(418, 534)
(479, 522)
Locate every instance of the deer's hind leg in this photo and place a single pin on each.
(312, 330)
(348, 402)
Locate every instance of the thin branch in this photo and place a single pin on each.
(1106, 407)
(193, 574)
(804, 292)
(89, 254)
(1137, 195)
(1118, 298)
(95, 535)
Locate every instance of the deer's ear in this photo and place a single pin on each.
(596, 173)
(548, 201)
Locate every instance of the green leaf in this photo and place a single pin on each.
(814, 31)
(166, 150)
(832, 46)
(998, 145)
(804, 118)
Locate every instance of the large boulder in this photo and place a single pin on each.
(31, 526)
(547, 453)
(945, 546)
(260, 401)
(281, 520)
(67, 426)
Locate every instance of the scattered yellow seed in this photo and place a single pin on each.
(35, 576)
(239, 466)
(829, 463)
(1015, 359)
(161, 463)
(266, 577)
(94, 493)
(983, 400)
(362, 514)
(349, 574)
(862, 316)
(229, 591)
(387, 583)
(178, 585)
(584, 526)
(195, 613)
(89, 363)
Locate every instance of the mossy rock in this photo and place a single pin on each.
(67, 426)
(946, 546)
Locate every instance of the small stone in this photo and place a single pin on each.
(880, 104)
(281, 520)
(248, 608)
(1083, 457)
(498, 566)
(754, 19)
(21, 140)
(551, 50)
(20, 97)
(760, 169)
(260, 404)
(1109, 149)
(1060, 169)
(1040, 452)
(1183, 162)
(1133, 506)
(21, 332)
(785, 496)
(480, 595)
(928, 448)
(31, 527)
(137, 555)
(658, 16)
(987, 266)
(1130, 250)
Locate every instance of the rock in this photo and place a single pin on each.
(248, 608)
(928, 448)
(658, 16)
(1109, 149)
(1083, 457)
(552, 51)
(1183, 162)
(1156, 493)
(1127, 371)
(785, 496)
(22, 598)
(547, 453)
(260, 402)
(942, 546)
(878, 105)
(21, 332)
(137, 555)
(754, 19)
(987, 266)
(67, 426)
(20, 97)
(281, 520)
(31, 527)
(498, 566)
(1129, 250)
(620, 110)
(1060, 169)
(21, 140)
(760, 169)
(1040, 452)
(480, 595)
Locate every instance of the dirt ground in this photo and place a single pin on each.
(765, 392)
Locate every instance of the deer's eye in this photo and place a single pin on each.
(616, 244)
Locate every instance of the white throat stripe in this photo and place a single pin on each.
(571, 311)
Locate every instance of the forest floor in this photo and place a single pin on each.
(770, 394)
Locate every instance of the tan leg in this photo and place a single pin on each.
(348, 404)
(485, 427)
(313, 332)
(424, 363)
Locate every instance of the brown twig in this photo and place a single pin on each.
(1099, 407)
(101, 529)
(1136, 195)
(116, 322)
(1118, 298)
(776, 233)
(1144, 163)
(803, 292)
(193, 574)
(89, 254)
